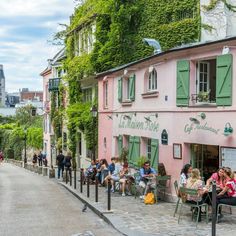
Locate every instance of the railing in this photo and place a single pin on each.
(198, 98)
(53, 84)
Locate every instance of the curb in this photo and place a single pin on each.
(93, 208)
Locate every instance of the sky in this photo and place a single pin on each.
(26, 27)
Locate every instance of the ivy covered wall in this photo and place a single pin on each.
(120, 28)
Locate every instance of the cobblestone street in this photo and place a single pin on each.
(33, 205)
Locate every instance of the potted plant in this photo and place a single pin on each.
(203, 96)
(141, 161)
(123, 155)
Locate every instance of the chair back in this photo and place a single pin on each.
(189, 191)
(162, 180)
(137, 177)
(176, 187)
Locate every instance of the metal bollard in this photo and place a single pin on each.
(81, 180)
(96, 189)
(109, 195)
(88, 187)
(74, 178)
(66, 175)
(214, 212)
(70, 174)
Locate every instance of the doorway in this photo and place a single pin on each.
(205, 158)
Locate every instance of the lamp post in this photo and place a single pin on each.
(25, 138)
(94, 112)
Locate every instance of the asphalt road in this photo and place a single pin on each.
(32, 205)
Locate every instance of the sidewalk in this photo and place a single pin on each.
(131, 216)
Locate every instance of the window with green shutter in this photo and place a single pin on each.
(182, 86)
(224, 80)
(120, 85)
(132, 87)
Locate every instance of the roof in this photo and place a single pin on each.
(2, 76)
(179, 48)
(59, 56)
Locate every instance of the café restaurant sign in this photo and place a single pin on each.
(133, 123)
(190, 128)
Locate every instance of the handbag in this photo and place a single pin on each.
(149, 199)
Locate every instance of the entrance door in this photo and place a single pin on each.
(205, 158)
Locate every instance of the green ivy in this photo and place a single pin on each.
(213, 4)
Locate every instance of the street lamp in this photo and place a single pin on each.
(25, 138)
(94, 112)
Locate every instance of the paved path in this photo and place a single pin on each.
(132, 217)
(34, 205)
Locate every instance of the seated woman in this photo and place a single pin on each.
(195, 182)
(219, 178)
(125, 180)
(228, 193)
(184, 175)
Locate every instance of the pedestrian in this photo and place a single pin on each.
(67, 162)
(60, 164)
(1, 157)
(34, 159)
(40, 158)
(44, 159)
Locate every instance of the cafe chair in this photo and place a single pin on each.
(176, 186)
(220, 206)
(184, 192)
(162, 184)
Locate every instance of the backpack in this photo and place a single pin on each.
(149, 199)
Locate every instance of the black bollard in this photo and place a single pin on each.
(88, 180)
(96, 189)
(74, 178)
(214, 212)
(109, 195)
(81, 180)
(66, 175)
(70, 174)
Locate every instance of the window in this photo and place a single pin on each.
(87, 95)
(126, 84)
(106, 94)
(212, 81)
(149, 148)
(152, 80)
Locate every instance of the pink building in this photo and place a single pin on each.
(175, 107)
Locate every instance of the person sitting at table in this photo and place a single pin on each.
(184, 175)
(195, 182)
(228, 193)
(219, 178)
(147, 176)
(125, 180)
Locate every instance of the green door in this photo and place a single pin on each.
(154, 153)
(120, 144)
(182, 85)
(224, 80)
(134, 149)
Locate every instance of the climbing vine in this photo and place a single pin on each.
(213, 4)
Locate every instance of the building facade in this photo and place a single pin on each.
(176, 107)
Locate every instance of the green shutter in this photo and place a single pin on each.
(154, 153)
(182, 86)
(120, 85)
(136, 150)
(132, 87)
(120, 144)
(131, 148)
(224, 80)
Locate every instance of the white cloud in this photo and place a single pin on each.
(23, 50)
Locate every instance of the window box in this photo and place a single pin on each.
(150, 94)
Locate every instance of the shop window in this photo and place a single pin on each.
(212, 83)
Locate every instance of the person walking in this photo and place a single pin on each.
(1, 157)
(60, 164)
(67, 162)
(34, 159)
(40, 158)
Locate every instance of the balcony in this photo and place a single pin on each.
(203, 97)
(53, 84)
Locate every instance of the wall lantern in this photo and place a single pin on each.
(228, 130)
(164, 137)
(94, 111)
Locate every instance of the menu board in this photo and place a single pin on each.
(228, 156)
